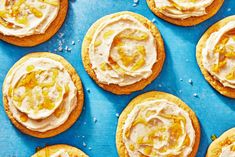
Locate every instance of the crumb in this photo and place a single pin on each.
(84, 144)
(117, 114)
(190, 81)
(153, 20)
(94, 120)
(73, 42)
(195, 95)
(134, 4)
(89, 148)
(213, 137)
(60, 49)
(88, 90)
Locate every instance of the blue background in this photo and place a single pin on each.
(216, 113)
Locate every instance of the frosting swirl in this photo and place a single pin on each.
(182, 9)
(219, 55)
(228, 151)
(158, 128)
(60, 153)
(122, 51)
(22, 18)
(40, 94)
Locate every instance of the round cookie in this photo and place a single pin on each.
(156, 68)
(36, 39)
(52, 150)
(191, 21)
(227, 139)
(75, 113)
(151, 96)
(226, 91)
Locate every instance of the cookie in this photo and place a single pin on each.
(155, 124)
(33, 22)
(215, 56)
(42, 95)
(123, 52)
(224, 146)
(185, 13)
(59, 150)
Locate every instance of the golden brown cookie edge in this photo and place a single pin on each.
(33, 40)
(157, 67)
(215, 146)
(74, 114)
(49, 150)
(158, 95)
(226, 91)
(211, 11)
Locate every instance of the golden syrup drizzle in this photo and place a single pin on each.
(29, 82)
(147, 141)
(17, 11)
(133, 61)
(225, 52)
(108, 34)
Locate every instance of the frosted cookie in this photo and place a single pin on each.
(224, 146)
(31, 22)
(123, 52)
(157, 124)
(42, 95)
(216, 56)
(185, 12)
(60, 150)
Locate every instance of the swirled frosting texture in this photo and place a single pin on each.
(40, 94)
(182, 9)
(122, 51)
(158, 128)
(60, 153)
(22, 18)
(228, 151)
(219, 55)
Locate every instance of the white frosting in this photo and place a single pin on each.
(158, 128)
(182, 9)
(60, 153)
(22, 18)
(125, 48)
(228, 151)
(215, 52)
(40, 93)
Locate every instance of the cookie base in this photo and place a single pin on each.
(191, 21)
(215, 147)
(156, 69)
(226, 91)
(49, 150)
(74, 114)
(121, 148)
(37, 39)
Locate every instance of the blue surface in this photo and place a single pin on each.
(215, 112)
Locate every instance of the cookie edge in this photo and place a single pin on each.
(157, 67)
(191, 21)
(74, 114)
(226, 91)
(37, 39)
(159, 95)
